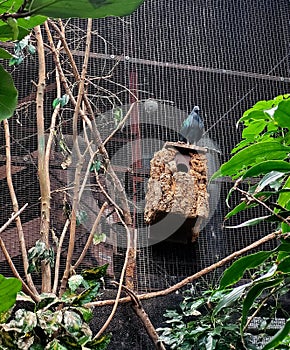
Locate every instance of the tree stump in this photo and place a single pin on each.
(178, 185)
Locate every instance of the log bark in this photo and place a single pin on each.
(177, 185)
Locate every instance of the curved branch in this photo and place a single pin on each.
(194, 277)
(141, 313)
(116, 301)
(13, 217)
(15, 205)
(91, 236)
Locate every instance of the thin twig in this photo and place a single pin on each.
(141, 313)
(254, 199)
(91, 236)
(12, 218)
(109, 198)
(116, 301)
(194, 277)
(8, 258)
(15, 204)
(61, 33)
(87, 173)
(34, 296)
(64, 80)
(72, 62)
(57, 108)
(122, 122)
(58, 254)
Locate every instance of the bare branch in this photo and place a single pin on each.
(12, 218)
(34, 296)
(91, 236)
(57, 108)
(72, 61)
(21, 237)
(119, 126)
(194, 277)
(123, 272)
(43, 165)
(58, 254)
(141, 313)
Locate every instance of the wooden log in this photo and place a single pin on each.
(178, 184)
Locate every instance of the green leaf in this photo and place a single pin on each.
(69, 342)
(95, 273)
(265, 167)
(282, 114)
(72, 322)
(5, 54)
(74, 282)
(7, 33)
(253, 294)
(31, 22)
(31, 49)
(117, 114)
(83, 8)
(55, 345)
(257, 112)
(9, 287)
(274, 218)
(62, 101)
(15, 61)
(241, 145)
(254, 129)
(86, 313)
(268, 179)
(100, 343)
(8, 95)
(210, 343)
(284, 197)
(81, 217)
(284, 201)
(55, 102)
(278, 337)
(96, 165)
(236, 271)
(249, 156)
(12, 22)
(284, 246)
(251, 222)
(10, 6)
(284, 265)
(99, 238)
(87, 295)
(230, 298)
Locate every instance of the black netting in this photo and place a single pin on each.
(223, 56)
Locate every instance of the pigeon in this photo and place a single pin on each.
(192, 128)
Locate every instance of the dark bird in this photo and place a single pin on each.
(192, 128)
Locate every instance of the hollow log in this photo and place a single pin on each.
(178, 185)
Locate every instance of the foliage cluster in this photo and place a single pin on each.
(254, 285)
(54, 323)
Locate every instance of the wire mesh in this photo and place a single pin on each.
(223, 56)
